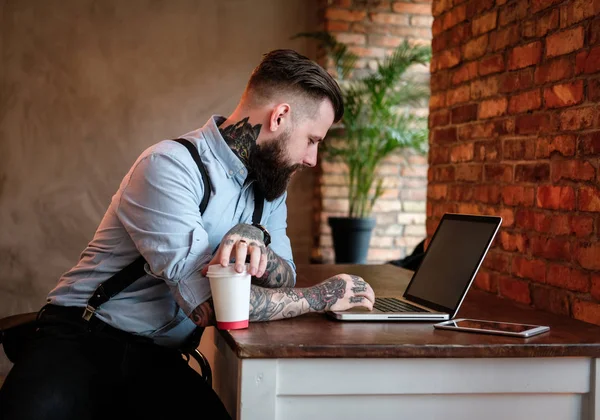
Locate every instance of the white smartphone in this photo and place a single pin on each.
(492, 327)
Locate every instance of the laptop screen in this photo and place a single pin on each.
(453, 257)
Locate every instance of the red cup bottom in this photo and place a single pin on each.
(236, 325)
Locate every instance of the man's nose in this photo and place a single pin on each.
(311, 158)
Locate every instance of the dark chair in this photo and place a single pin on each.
(15, 329)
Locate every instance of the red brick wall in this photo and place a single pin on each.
(515, 131)
(372, 28)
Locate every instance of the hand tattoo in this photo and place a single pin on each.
(204, 314)
(241, 138)
(245, 231)
(278, 272)
(359, 284)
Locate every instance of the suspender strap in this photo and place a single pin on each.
(194, 152)
(259, 203)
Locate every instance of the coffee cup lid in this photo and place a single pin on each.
(219, 270)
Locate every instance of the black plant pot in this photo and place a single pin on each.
(351, 237)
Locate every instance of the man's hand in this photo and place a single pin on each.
(241, 241)
(352, 290)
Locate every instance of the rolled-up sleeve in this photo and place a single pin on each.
(159, 209)
(277, 227)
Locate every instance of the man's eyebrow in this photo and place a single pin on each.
(317, 138)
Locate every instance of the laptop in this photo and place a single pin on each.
(440, 283)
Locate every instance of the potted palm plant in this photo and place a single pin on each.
(377, 122)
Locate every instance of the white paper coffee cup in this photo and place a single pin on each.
(231, 296)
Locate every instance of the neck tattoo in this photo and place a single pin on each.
(241, 138)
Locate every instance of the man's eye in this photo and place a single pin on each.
(311, 141)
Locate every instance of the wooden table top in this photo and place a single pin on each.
(317, 335)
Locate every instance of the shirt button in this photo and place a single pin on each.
(230, 172)
(242, 171)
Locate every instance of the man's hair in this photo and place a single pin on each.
(286, 70)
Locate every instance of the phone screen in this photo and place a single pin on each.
(492, 326)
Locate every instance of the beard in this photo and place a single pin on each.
(268, 165)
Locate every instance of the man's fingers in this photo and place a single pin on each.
(360, 301)
(224, 252)
(215, 260)
(262, 265)
(254, 260)
(241, 251)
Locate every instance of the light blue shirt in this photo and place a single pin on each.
(156, 211)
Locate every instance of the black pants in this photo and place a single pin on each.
(70, 372)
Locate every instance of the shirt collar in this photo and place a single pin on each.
(233, 166)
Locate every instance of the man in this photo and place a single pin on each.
(120, 357)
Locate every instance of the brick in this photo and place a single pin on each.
(550, 299)
(577, 119)
(556, 197)
(589, 198)
(438, 25)
(485, 23)
(476, 8)
(518, 195)
(496, 260)
(565, 94)
(492, 108)
(589, 144)
(562, 144)
(529, 269)
(442, 174)
(526, 101)
(458, 95)
(572, 170)
(449, 58)
(345, 15)
(461, 153)
(525, 56)
(475, 48)
(586, 311)
(440, 6)
(459, 34)
(582, 226)
(439, 118)
(530, 124)
(595, 289)
(385, 41)
(444, 135)
(503, 38)
(437, 192)
(483, 88)
(564, 42)
(489, 194)
(537, 5)
(513, 82)
(423, 21)
(374, 52)
(588, 255)
(335, 26)
(342, 3)
(475, 131)
(351, 39)
(594, 32)
(464, 113)
(589, 62)
(465, 72)
(568, 278)
(422, 34)
(487, 151)
(490, 65)
(469, 208)
(438, 155)
(388, 19)
(415, 9)
(498, 173)
(594, 90)
(517, 290)
(359, 28)
(454, 17)
(577, 10)
(558, 249)
(532, 172)
(440, 81)
(460, 192)
(518, 149)
(515, 11)
(528, 29)
(469, 173)
(486, 281)
(439, 43)
(437, 101)
(547, 23)
(555, 70)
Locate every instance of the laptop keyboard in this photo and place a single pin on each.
(395, 305)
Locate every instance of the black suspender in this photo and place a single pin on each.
(128, 275)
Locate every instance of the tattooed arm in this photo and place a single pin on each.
(338, 293)
(277, 274)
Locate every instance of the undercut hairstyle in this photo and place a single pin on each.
(288, 71)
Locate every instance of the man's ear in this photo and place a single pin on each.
(280, 116)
